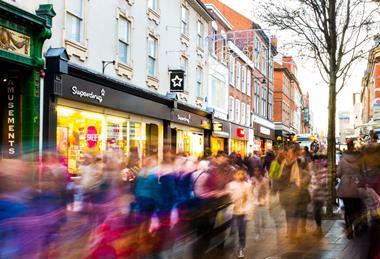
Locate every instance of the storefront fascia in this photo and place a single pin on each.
(190, 132)
(90, 113)
(264, 137)
(220, 136)
(22, 37)
(239, 139)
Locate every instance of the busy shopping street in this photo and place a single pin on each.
(189, 129)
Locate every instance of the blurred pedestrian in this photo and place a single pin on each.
(241, 194)
(351, 178)
(289, 186)
(319, 190)
(261, 198)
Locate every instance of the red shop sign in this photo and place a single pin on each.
(91, 137)
(240, 132)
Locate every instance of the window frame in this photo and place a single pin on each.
(242, 113)
(238, 76)
(122, 41)
(185, 20)
(149, 57)
(248, 115)
(244, 79)
(237, 110)
(199, 81)
(232, 71)
(257, 103)
(156, 5)
(231, 109)
(200, 34)
(249, 82)
(264, 102)
(80, 17)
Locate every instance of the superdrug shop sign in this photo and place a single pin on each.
(10, 117)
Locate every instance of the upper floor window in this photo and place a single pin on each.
(152, 56)
(243, 79)
(270, 105)
(248, 116)
(214, 33)
(264, 102)
(200, 32)
(231, 110)
(232, 70)
(238, 75)
(257, 96)
(124, 40)
(257, 52)
(243, 114)
(249, 79)
(153, 4)
(74, 20)
(184, 66)
(184, 20)
(237, 111)
(199, 75)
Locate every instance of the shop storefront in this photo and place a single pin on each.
(220, 136)
(189, 133)
(87, 113)
(239, 139)
(22, 38)
(264, 138)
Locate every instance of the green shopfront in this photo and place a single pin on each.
(22, 35)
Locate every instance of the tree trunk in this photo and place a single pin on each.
(331, 151)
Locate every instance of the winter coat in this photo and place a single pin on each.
(319, 181)
(350, 174)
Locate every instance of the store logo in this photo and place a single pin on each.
(91, 137)
(185, 119)
(89, 95)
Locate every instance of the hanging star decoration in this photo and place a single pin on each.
(177, 81)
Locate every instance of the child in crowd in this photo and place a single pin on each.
(261, 199)
(241, 195)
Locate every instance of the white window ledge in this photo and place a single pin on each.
(185, 40)
(76, 49)
(124, 70)
(153, 82)
(200, 52)
(154, 15)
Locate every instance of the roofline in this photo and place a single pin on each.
(200, 7)
(220, 15)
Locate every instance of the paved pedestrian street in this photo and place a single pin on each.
(273, 244)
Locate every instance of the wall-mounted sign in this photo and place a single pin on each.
(190, 119)
(177, 80)
(89, 95)
(264, 130)
(11, 123)
(217, 126)
(184, 118)
(240, 132)
(15, 42)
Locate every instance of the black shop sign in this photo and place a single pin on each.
(177, 80)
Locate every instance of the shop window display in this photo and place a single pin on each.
(80, 132)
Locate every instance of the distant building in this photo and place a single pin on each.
(370, 92)
(290, 106)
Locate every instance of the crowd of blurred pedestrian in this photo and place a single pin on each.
(144, 208)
